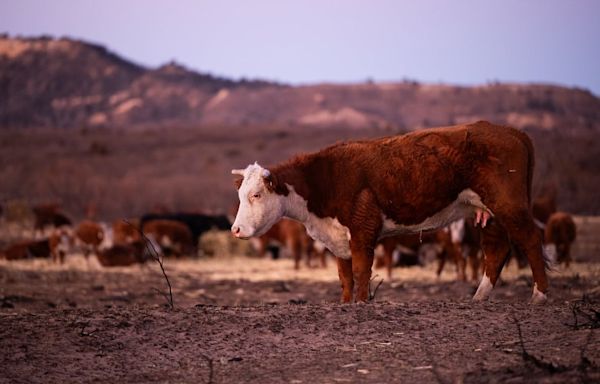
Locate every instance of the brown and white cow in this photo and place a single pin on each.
(89, 235)
(126, 231)
(561, 231)
(351, 194)
(172, 236)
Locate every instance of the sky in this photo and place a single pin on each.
(300, 42)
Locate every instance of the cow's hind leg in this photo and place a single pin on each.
(496, 249)
(528, 241)
(346, 278)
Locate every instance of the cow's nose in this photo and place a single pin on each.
(235, 230)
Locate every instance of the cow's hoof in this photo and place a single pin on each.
(484, 289)
(538, 297)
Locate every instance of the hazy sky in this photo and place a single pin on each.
(454, 41)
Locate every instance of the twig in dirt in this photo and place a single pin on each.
(583, 309)
(527, 357)
(372, 294)
(82, 330)
(156, 256)
(582, 366)
(210, 368)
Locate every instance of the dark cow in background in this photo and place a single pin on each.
(120, 255)
(544, 206)
(27, 249)
(350, 195)
(561, 231)
(196, 222)
(49, 215)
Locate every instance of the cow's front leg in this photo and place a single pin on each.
(362, 261)
(346, 278)
(366, 226)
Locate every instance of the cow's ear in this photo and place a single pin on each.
(238, 183)
(273, 184)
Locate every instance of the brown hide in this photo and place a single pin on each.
(90, 233)
(27, 249)
(177, 233)
(292, 235)
(411, 177)
(561, 231)
(122, 254)
(55, 239)
(543, 206)
(126, 232)
(49, 215)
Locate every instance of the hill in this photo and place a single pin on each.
(46, 82)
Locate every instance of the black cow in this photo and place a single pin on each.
(197, 223)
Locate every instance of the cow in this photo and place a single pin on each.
(196, 222)
(61, 242)
(561, 231)
(172, 236)
(27, 249)
(291, 235)
(89, 235)
(120, 255)
(351, 194)
(49, 215)
(543, 207)
(464, 238)
(126, 232)
(408, 245)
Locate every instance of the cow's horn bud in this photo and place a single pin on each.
(237, 172)
(266, 173)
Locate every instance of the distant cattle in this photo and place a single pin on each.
(125, 232)
(49, 215)
(172, 236)
(291, 235)
(196, 222)
(352, 194)
(89, 235)
(543, 207)
(61, 242)
(120, 255)
(408, 247)
(464, 237)
(561, 231)
(27, 249)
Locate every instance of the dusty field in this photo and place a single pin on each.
(250, 320)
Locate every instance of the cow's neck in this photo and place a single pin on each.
(294, 177)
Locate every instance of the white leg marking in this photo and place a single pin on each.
(537, 297)
(485, 287)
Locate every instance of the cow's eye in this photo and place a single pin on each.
(256, 196)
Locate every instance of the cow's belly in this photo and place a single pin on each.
(466, 205)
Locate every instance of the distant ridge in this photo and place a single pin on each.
(66, 83)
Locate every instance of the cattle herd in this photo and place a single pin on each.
(458, 192)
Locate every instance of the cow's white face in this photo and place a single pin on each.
(260, 207)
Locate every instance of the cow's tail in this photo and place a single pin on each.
(526, 141)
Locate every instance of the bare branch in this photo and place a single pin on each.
(156, 256)
(374, 292)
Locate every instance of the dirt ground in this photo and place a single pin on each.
(257, 320)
